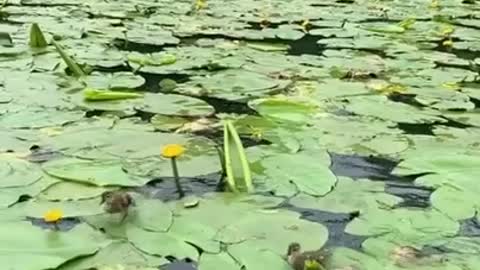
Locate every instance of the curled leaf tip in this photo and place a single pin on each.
(53, 215)
(172, 150)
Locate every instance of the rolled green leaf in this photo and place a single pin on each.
(238, 172)
(91, 94)
(72, 65)
(37, 39)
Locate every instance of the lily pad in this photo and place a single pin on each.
(405, 226)
(236, 84)
(284, 109)
(17, 172)
(118, 80)
(350, 196)
(117, 253)
(45, 249)
(170, 244)
(65, 190)
(308, 172)
(215, 261)
(99, 173)
(174, 105)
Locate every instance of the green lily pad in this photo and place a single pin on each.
(201, 224)
(37, 208)
(345, 258)
(117, 253)
(174, 105)
(149, 35)
(115, 81)
(9, 196)
(99, 173)
(455, 197)
(45, 249)
(308, 172)
(215, 261)
(38, 118)
(255, 258)
(65, 190)
(236, 84)
(170, 244)
(283, 226)
(350, 196)
(405, 226)
(391, 111)
(17, 172)
(283, 109)
(152, 215)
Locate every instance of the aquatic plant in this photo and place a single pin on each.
(239, 177)
(172, 152)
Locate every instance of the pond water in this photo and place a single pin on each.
(359, 119)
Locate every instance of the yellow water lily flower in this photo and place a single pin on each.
(53, 215)
(172, 150)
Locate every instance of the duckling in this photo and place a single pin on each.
(117, 202)
(307, 260)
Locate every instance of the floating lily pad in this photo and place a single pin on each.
(405, 226)
(99, 173)
(174, 105)
(284, 109)
(170, 244)
(67, 190)
(257, 258)
(308, 172)
(152, 215)
(118, 80)
(350, 196)
(118, 253)
(17, 172)
(237, 84)
(45, 249)
(283, 227)
(215, 261)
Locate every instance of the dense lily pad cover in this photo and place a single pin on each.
(360, 121)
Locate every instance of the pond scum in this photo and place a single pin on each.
(221, 134)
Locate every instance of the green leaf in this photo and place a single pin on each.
(254, 258)
(116, 81)
(307, 171)
(99, 173)
(280, 228)
(350, 196)
(91, 94)
(45, 249)
(161, 244)
(236, 164)
(17, 172)
(217, 261)
(283, 109)
(64, 190)
(37, 39)
(152, 215)
(404, 226)
(118, 253)
(76, 70)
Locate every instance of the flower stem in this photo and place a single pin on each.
(177, 178)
